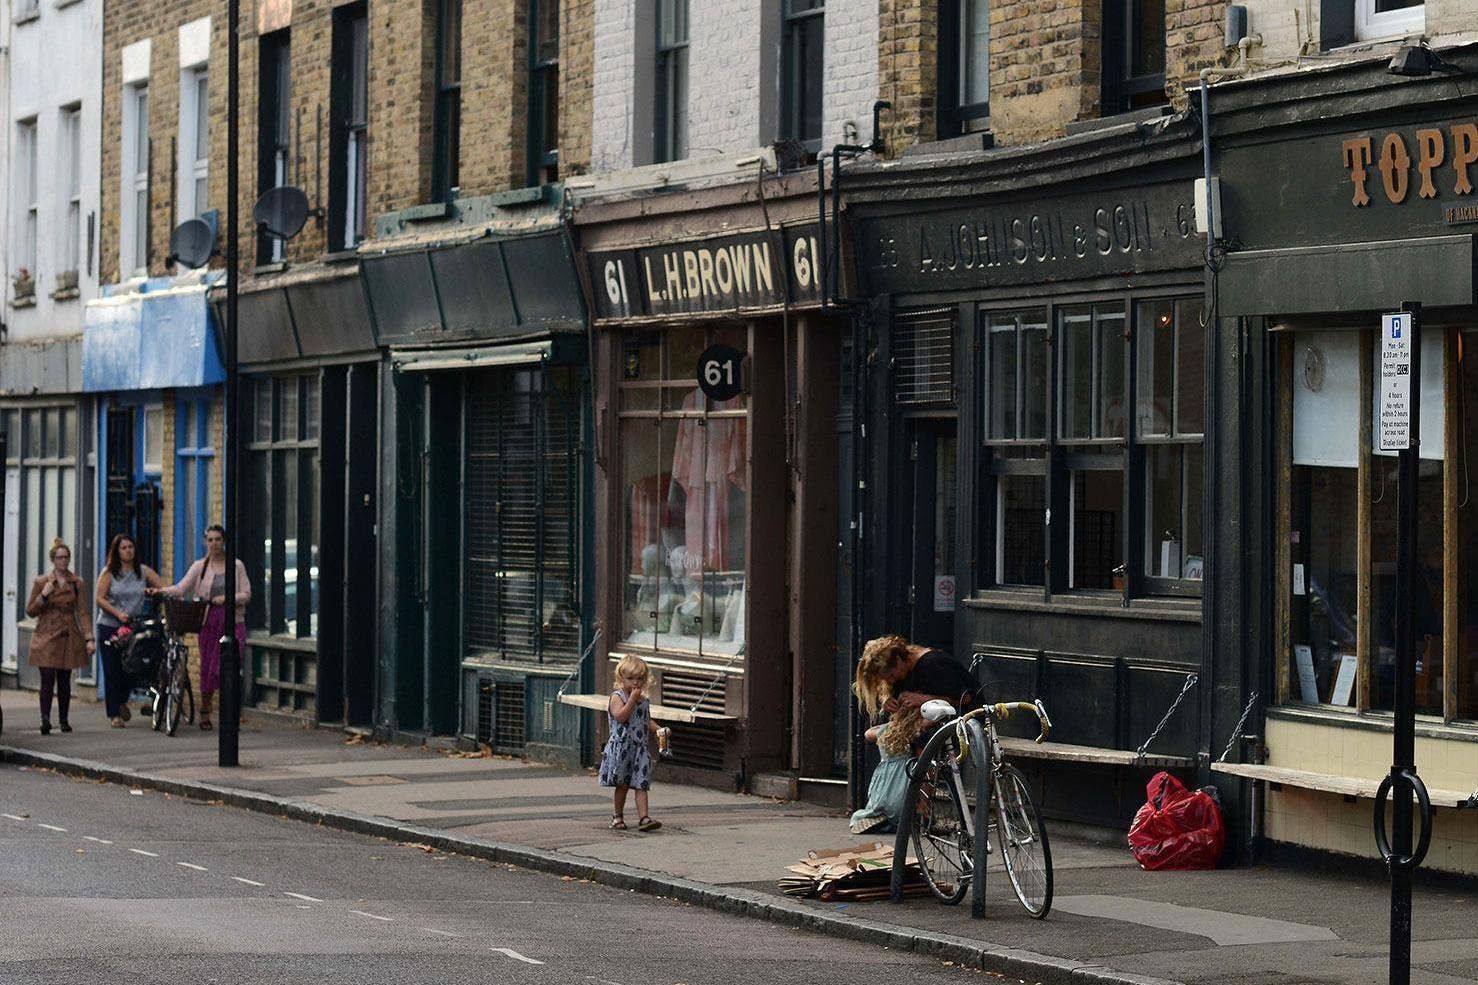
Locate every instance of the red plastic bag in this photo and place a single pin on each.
(1177, 828)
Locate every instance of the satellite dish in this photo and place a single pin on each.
(281, 212)
(192, 243)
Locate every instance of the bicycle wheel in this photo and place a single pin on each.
(189, 701)
(175, 696)
(938, 824)
(1024, 847)
(156, 710)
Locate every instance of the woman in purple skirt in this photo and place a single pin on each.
(206, 579)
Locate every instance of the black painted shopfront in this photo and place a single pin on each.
(1039, 437)
(485, 476)
(1346, 192)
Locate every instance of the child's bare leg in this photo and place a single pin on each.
(621, 799)
(642, 804)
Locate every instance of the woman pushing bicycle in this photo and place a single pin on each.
(207, 579)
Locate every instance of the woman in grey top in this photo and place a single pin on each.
(120, 599)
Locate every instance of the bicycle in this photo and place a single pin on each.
(940, 822)
(173, 696)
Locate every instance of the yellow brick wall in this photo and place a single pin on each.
(1326, 821)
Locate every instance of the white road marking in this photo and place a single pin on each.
(192, 865)
(372, 916)
(440, 933)
(100, 841)
(249, 882)
(50, 827)
(310, 899)
(511, 953)
(140, 851)
(14, 817)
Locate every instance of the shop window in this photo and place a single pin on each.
(1091, 341)
(1170, 384)
(194, 455)
(964, 66)
(281, 512)
(543, 108)
(1133, 55)
(1427, 588)
(801, 71)
(41, 449)
(685, 481)
(349, 149)
(153, 439)
(671, 131)
(1016, 415)
(274, 125)
(447, 130)
(1376, 19)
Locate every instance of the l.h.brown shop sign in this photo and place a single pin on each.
(1433, 161)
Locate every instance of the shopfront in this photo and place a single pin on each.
(1339, 217)
(717, 520)
(1039, 442)
(484, 479)
(45, 441)
(309, 439)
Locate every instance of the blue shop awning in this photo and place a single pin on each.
(154, 338)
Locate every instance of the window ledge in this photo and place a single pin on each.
(273, 641)
(28, 16)
(29, 301)
(979, 140)
(66, 294)
(1096, 606)
(269, 268)
(348, 255)
(1374, 721)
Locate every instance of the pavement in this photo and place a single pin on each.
(1110, 922)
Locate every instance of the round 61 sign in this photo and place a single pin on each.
(719, 372)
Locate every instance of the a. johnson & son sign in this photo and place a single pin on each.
(1068, 238)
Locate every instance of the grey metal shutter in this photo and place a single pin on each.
(521, 499)
(924, 356)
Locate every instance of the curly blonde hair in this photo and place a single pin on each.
(871, 685)
(900, 732)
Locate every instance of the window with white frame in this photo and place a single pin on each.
(134, 239)
(71, 171)
(153, 425)
(27, 9)
(1389, 18)
(671, 131)
(25, 179)
(194, 158)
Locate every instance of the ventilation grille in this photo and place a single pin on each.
(485, 689)
(508, 717)
(924, 357)
(699, 744)
(683, 689)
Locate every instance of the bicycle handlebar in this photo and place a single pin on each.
(1003, 709)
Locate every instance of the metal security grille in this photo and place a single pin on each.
(924, 356)
(485, 690)
(522, 496)
(508, 697)
(698, 744)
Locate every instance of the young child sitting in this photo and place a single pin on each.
(889, 786)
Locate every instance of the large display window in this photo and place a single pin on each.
(684, 465)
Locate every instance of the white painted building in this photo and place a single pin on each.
(676, 79)
(49, 159)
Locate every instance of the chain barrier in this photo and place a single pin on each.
(595, 638)
(723, 673)
(1190, 682)
(1237, 729)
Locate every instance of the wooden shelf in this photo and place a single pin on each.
(1347, 786)
(660, 713)
(1066, 752)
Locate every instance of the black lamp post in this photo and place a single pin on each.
(230, 656)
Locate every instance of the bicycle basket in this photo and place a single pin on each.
(184, 616)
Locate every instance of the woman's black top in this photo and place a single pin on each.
(938, 673)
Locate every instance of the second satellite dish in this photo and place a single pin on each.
(281, 212)
(192, 243)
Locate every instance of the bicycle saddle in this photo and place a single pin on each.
(937, 710)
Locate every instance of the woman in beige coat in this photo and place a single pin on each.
(62, 641)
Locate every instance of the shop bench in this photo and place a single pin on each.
(1068, 753)
(660, 713)
(1347, 786)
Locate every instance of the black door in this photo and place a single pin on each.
(932, 535)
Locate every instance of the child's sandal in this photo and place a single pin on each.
(618, 823)
(647, 824)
